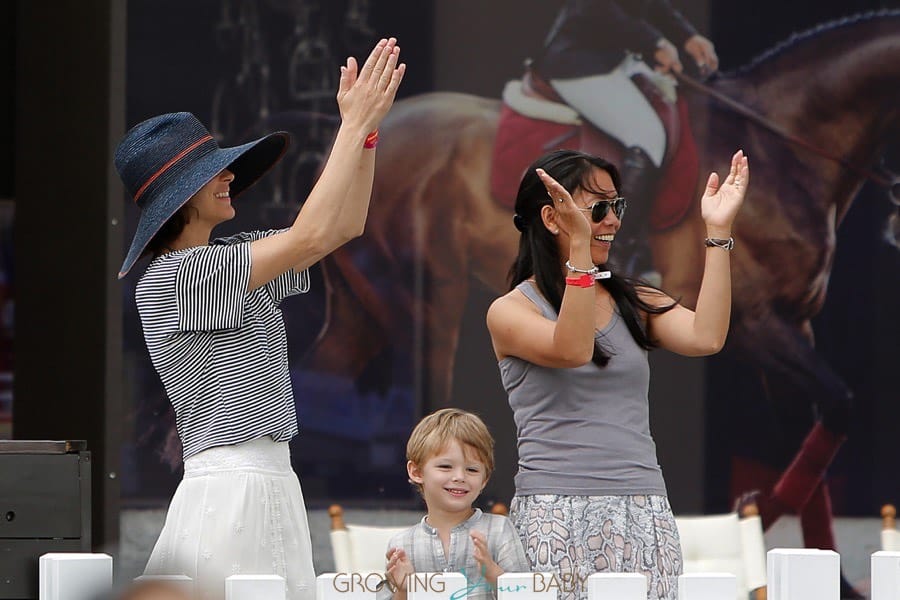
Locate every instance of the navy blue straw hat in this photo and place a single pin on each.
(165, 160)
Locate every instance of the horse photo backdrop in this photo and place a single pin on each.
(394, 324)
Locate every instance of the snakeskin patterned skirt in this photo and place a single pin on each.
(576, 536)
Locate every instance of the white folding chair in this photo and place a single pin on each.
(358, 548)
(727, 543)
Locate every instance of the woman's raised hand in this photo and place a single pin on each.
(365, 98)
(720, 203)
(569, 219)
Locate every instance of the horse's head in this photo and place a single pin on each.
(836, 87)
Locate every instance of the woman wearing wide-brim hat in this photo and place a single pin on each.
(213, 327)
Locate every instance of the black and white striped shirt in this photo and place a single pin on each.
(220, 350)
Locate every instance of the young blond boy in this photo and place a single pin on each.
(450, 458)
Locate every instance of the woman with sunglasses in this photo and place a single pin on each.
(571, 339)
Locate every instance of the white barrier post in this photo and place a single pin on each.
(707, 586)
(182, 583)
(438, 586)
(348, 586)
(617, 586)
(255, 587)
(803, 574)
(74, 576)
(528, 586)
(886, 575)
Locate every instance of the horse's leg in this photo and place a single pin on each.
(494, 247)
(806, 472)
(815, 522)
(347, 319)
(443, 328)
(796, 373)
(789, 356)
(492, 240)
(478, 240)
(816, 512)
(792, 362)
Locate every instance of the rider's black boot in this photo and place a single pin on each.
(639, 183)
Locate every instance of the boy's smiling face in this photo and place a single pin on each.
(451, 479)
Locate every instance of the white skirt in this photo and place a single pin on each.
(238, 510)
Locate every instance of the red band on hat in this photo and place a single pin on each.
(169, 164)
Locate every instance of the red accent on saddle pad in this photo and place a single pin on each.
(677, 190)
(520, 141)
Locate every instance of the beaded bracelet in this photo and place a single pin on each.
(590, 271)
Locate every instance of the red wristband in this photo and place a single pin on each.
(371, 140)
(584, 281)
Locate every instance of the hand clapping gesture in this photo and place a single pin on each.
(490, 569)
(365, 98)
(570, 220)
(720, 203)
(399, 568)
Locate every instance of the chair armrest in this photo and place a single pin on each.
(890, 540)
(336, 512)
(888, 516)
(753, 548)
(890, 537)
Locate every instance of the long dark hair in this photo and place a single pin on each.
(539, 253)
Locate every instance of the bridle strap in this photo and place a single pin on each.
(762, 121)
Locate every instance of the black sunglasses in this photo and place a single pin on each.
(600, 208)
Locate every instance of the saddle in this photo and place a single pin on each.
(534, 120)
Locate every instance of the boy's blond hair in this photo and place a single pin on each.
(435, 431)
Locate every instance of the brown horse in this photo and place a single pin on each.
(434, 230)
(434, 227)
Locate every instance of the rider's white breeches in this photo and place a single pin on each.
(614, 104)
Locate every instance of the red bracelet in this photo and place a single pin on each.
(584, 281)
(371, 140)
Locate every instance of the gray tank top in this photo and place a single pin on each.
(584, 431)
